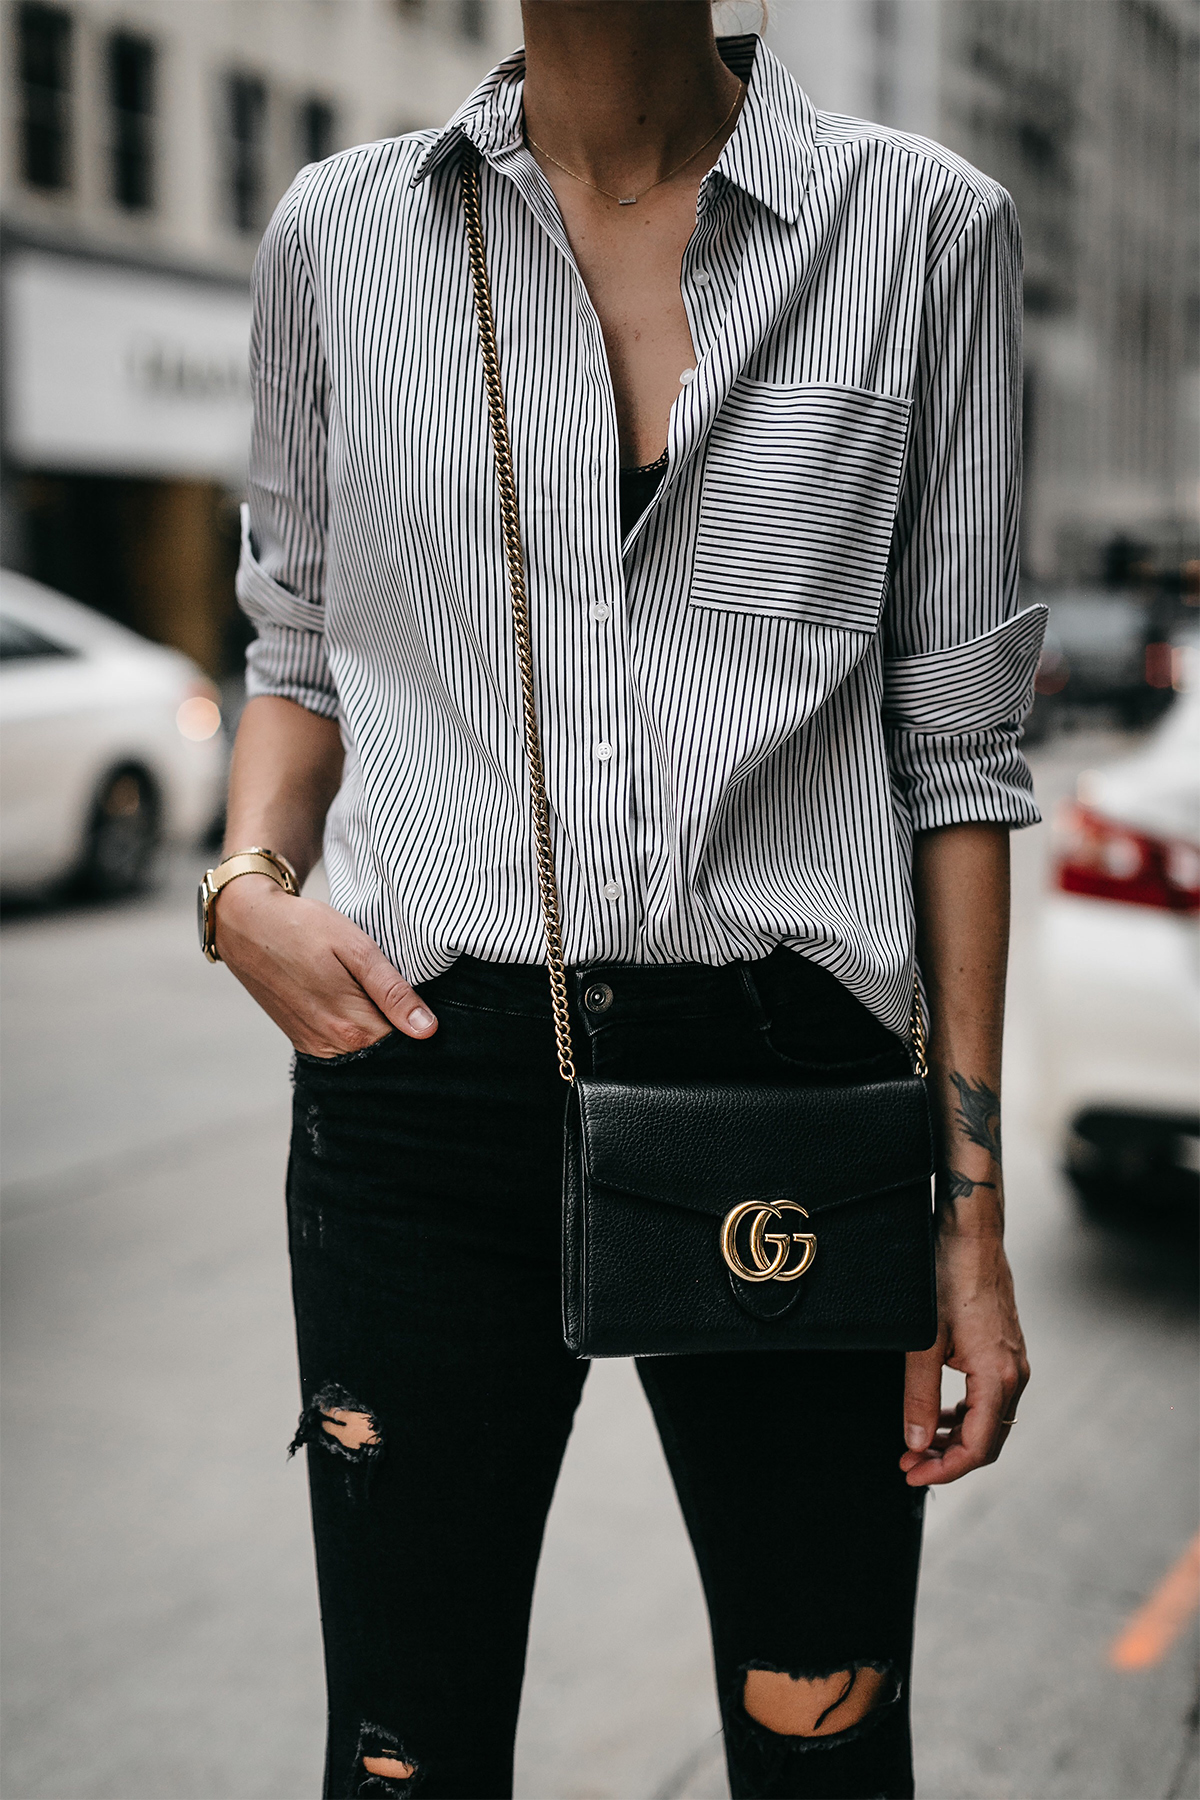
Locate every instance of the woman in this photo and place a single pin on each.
(761, 378)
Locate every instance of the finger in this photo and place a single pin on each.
(949, 1424)
(991, 1398)
(1008, 1411)
(924, 1467)
(399, 1003)
(922, 1397)
(974, 1438)
(936, 1468)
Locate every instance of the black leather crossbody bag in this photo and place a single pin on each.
(718, 1215)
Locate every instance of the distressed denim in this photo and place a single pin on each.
(424, 1212)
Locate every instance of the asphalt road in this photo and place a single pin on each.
(160, 1616)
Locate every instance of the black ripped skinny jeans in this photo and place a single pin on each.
(424, 1218)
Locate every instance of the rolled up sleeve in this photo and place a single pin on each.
(959, 660)
(281, 572)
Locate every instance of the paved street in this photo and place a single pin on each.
(161, 1629)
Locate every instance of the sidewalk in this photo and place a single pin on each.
(161, 1627)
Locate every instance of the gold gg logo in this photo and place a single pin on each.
(767, 1266)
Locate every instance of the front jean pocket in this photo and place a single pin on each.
(811, 1066)
(830, 1038)
(306, 1060)
(799, 502)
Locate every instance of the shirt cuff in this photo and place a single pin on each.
(266, 600)
(287, 659)
(973, 778)
(969, 687)
(291, 665)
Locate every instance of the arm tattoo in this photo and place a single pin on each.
(978, 1113)
(961, 1187)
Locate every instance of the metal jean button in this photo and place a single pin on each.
(598, 997)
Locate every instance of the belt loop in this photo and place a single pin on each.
(753, 993)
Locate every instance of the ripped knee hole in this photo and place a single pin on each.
(340, 1423)
(385, 1761)
(389, 1767)
(815, 1706)
(353, 1429)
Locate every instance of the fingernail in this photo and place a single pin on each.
(914, 1436)
(421, 1019)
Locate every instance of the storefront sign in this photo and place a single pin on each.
(116, 371)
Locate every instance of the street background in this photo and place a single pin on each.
(161, 1638)
(161, 1612)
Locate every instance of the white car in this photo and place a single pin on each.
(1121, 965)
(109, 746)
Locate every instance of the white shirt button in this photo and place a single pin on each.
(604, 751)
(702, 278)
(611, 890)
(600, 609)
(687, 376)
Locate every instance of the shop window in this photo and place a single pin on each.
(44, 34)
(316, 130)
(246, 109)
(156, 555)
(131, 102)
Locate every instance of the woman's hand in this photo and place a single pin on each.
(321, 979)
(979, 1334)
(960, 877)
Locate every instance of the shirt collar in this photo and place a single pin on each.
(769, 155)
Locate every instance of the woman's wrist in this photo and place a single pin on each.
(970, 1183)
(243, 902)
(979, 1215)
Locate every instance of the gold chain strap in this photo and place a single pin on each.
(515, 559)
(916, 1032)
(510, 517)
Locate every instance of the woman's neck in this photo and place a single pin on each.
(619, 90)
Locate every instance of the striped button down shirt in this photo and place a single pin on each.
(807, 648)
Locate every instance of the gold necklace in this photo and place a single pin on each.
(632, 199)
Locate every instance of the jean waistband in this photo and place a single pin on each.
(603, 994)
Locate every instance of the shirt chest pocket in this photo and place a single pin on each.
(798, 503)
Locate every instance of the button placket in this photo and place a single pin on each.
(602, 697)
(703, 293)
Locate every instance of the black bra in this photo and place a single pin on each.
(637, 489)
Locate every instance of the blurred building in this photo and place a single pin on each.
(145, 143)
(1087, 111)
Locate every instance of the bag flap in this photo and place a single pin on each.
(708, 1145)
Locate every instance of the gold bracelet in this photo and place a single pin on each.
(255, 861)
